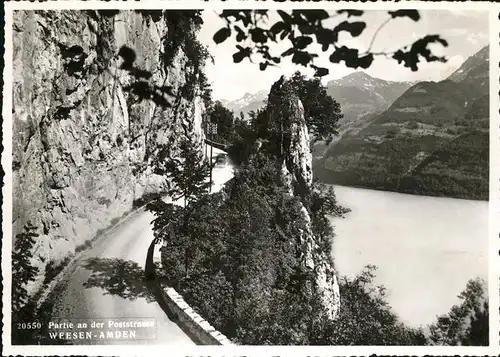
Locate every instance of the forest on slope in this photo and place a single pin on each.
(433, 140)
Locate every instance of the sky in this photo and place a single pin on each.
(465, 31)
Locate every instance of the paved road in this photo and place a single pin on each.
(107, 281)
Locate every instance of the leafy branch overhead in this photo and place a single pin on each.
(302, 28)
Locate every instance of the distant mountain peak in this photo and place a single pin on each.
(358, 75)
(478, 62)
(361, 79)
(246, 103)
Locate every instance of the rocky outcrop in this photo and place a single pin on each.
(285, 111)
(99, 99)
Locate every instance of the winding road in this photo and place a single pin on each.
(107, 281)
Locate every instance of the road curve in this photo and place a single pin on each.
(107, 281)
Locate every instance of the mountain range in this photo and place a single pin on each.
(417, 137)
(247, 103)
(433, 139)
(358, 94)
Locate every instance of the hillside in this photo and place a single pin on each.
(432, 140)
(361, 98)
(360, 94)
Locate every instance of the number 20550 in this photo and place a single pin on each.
(29, 325)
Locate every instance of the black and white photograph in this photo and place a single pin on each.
(260, 175)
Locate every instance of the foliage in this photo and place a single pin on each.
(244, 141)
(23, 271)
(205, 88)
(366, 318)
(145, 198)
(180, 25)
(321, 114)
(188, 172)
(466, 324)
(323, 206)
(53, 269)
(303, 28)
(321, 111)
(457, 168)
(224, 118)
(235, 257)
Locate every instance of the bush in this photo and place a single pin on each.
(87, 244)
(366, 318)
(466, 324)
(413, 125)
(145, 199)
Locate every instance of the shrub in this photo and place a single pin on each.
(87, 244)
(392, 132)
(467, 323)
(413, 125)
(366, 318)
(145, 199)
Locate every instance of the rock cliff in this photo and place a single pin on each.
(100, 98)
(285, 111)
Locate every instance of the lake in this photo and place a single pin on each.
(426, 248)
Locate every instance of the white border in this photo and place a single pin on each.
(134, 350)
(494, 204)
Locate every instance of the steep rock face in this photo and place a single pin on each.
(285, 110)
(86, 136)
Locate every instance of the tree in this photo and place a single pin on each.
(467, 323)
(224, 118)
(22, 270)
(302, 28)
(188, 173)
(321, 111)
(366, 318)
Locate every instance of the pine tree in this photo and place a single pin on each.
(188, 173)
(22, 270)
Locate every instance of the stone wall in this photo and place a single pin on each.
(195, 326)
